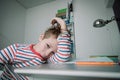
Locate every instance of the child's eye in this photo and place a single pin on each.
(48, 46)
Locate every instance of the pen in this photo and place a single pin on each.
(94, 63)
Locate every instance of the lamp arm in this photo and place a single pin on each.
(112, 19)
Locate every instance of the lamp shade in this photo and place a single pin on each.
(99, 23)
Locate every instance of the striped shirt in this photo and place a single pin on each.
(22, 55)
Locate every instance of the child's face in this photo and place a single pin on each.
(48, 46)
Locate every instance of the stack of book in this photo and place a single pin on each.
(61, 13)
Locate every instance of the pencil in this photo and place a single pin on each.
(93, 63)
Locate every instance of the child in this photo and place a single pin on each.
(53, 47)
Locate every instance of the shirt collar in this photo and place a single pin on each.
(37, 53)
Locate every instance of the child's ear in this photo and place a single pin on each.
(41, 37)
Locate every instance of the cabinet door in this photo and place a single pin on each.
(116, 8)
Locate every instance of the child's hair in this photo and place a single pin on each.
(52, 31)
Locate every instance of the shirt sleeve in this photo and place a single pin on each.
(7, 54)
(64, 49)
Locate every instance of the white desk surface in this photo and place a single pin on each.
(105, 71)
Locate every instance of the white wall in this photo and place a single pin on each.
(38, 19)
(90, 40)
(12, 23)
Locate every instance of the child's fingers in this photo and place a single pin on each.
(60, 23)
(56, 20)
(53, 21)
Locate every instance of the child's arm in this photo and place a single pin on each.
(63, 52)
(64, 44)
(7, 54)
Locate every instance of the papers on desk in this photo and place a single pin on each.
(93, 61)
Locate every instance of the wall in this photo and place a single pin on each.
(90, 40)
(12, 23)
(38, 19)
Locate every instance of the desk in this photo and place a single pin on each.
(72, 71)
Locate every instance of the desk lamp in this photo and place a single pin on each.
(101, 23)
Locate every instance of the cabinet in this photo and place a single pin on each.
(116, 9)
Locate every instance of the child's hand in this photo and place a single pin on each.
(61, 22)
